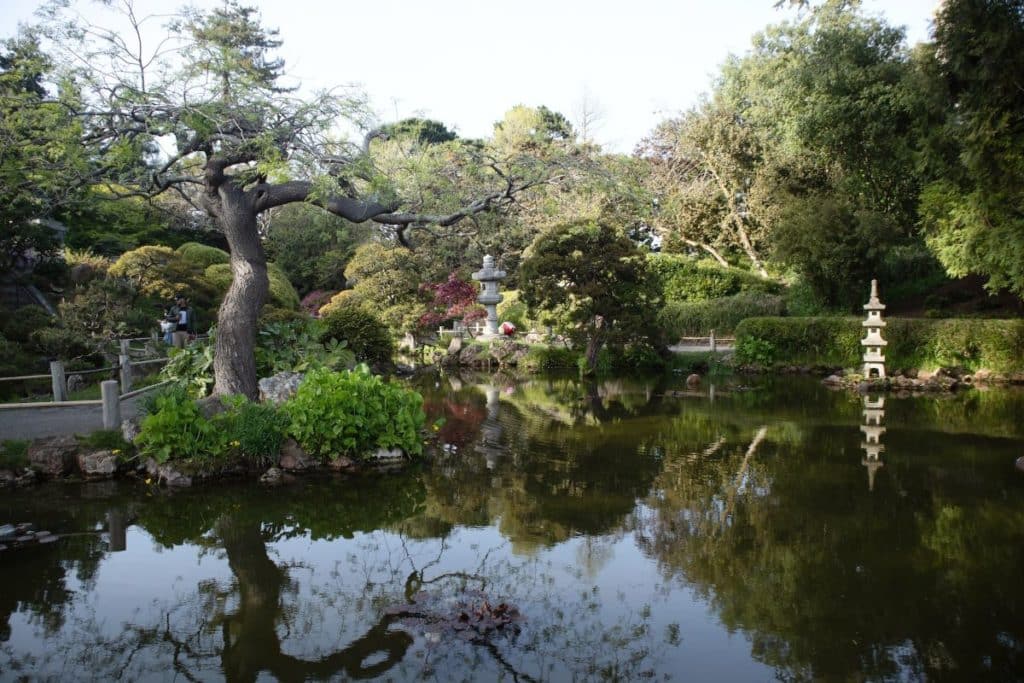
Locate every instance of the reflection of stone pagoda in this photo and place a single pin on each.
(874, 414)
(489, 278)
(873, 343)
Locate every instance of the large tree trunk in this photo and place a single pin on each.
(234, 361)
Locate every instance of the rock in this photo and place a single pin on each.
(455, 346)
(341, 463)
(294, 459)
(833, 380)
(211, 406)
(53, 457)
(404, 370)
(280, 387)
(75, 382)
(98, 464)
(167, 474)
(81, 273)
(693, 380)
(272, 476)
(130, 428)
(1020, 464)
(387, 456)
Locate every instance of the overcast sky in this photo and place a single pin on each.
(465, 62)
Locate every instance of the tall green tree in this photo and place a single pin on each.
(40, 159)
(972, 211)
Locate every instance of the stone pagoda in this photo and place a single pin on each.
(489, 278)
(874, 361)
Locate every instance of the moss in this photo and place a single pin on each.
(995, 345)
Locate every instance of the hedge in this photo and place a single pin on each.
(995, 345)
(686, 279)
(681, 319)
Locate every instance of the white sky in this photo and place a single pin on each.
(465, 62)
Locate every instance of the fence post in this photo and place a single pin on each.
(125, 343)
(60, 389)
(125, 361)
(111, 404)
(711, 340)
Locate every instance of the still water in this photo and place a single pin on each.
(624, 529)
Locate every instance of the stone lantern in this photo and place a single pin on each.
(874, 417)
(873, 343)
(489, 278)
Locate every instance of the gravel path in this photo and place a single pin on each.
(33, 423)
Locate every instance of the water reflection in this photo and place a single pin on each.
(873, 428)
(640, 530)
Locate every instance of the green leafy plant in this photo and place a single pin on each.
(296, 347)
(351, 413)
(178, 430)
(109, 439)
(192, 366)
(755, 351)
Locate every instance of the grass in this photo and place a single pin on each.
(13, 454)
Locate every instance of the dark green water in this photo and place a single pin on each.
(641, 531)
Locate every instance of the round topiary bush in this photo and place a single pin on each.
(367, 337)
(202, 256)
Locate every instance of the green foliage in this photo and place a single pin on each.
(683, 278)
(680, 319)
(202, 256)
(192, 366)
(594, 279)
(834, 246)
(106, 308)
(995, 345)
(542, 357)
(148, 403)
(177, 430)
(365, 335)
(755, 351)
(352, 413)
(19, 324)
(13, 454)
(259, 429)
(971, 211)
(514, 310)
(297, 346)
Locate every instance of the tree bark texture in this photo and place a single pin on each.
(234, 361)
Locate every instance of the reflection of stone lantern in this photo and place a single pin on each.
(874, 415)
(489, 278)
(873, 343)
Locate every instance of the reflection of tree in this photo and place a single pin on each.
(829, 581)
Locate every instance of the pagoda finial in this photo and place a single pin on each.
(874, 289)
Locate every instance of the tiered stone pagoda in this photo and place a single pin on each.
(874, 345)
(874, 415)
(489, 277)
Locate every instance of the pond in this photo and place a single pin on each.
(619, 529)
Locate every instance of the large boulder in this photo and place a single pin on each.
(280, 387)
(53, 457)
(130, 428)
(97, 464)
(294, 459)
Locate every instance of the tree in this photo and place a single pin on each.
(595, 279)
(972, 211)
(39, 157)
(242, 146)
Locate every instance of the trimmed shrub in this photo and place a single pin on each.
(995, 345)
(679, 319)
(686, 279)
(19, 324)
(202, 256)
(367, 337)
(352, 413)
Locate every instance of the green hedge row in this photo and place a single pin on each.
(996, 345)
(687, 279)
(681, 319)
